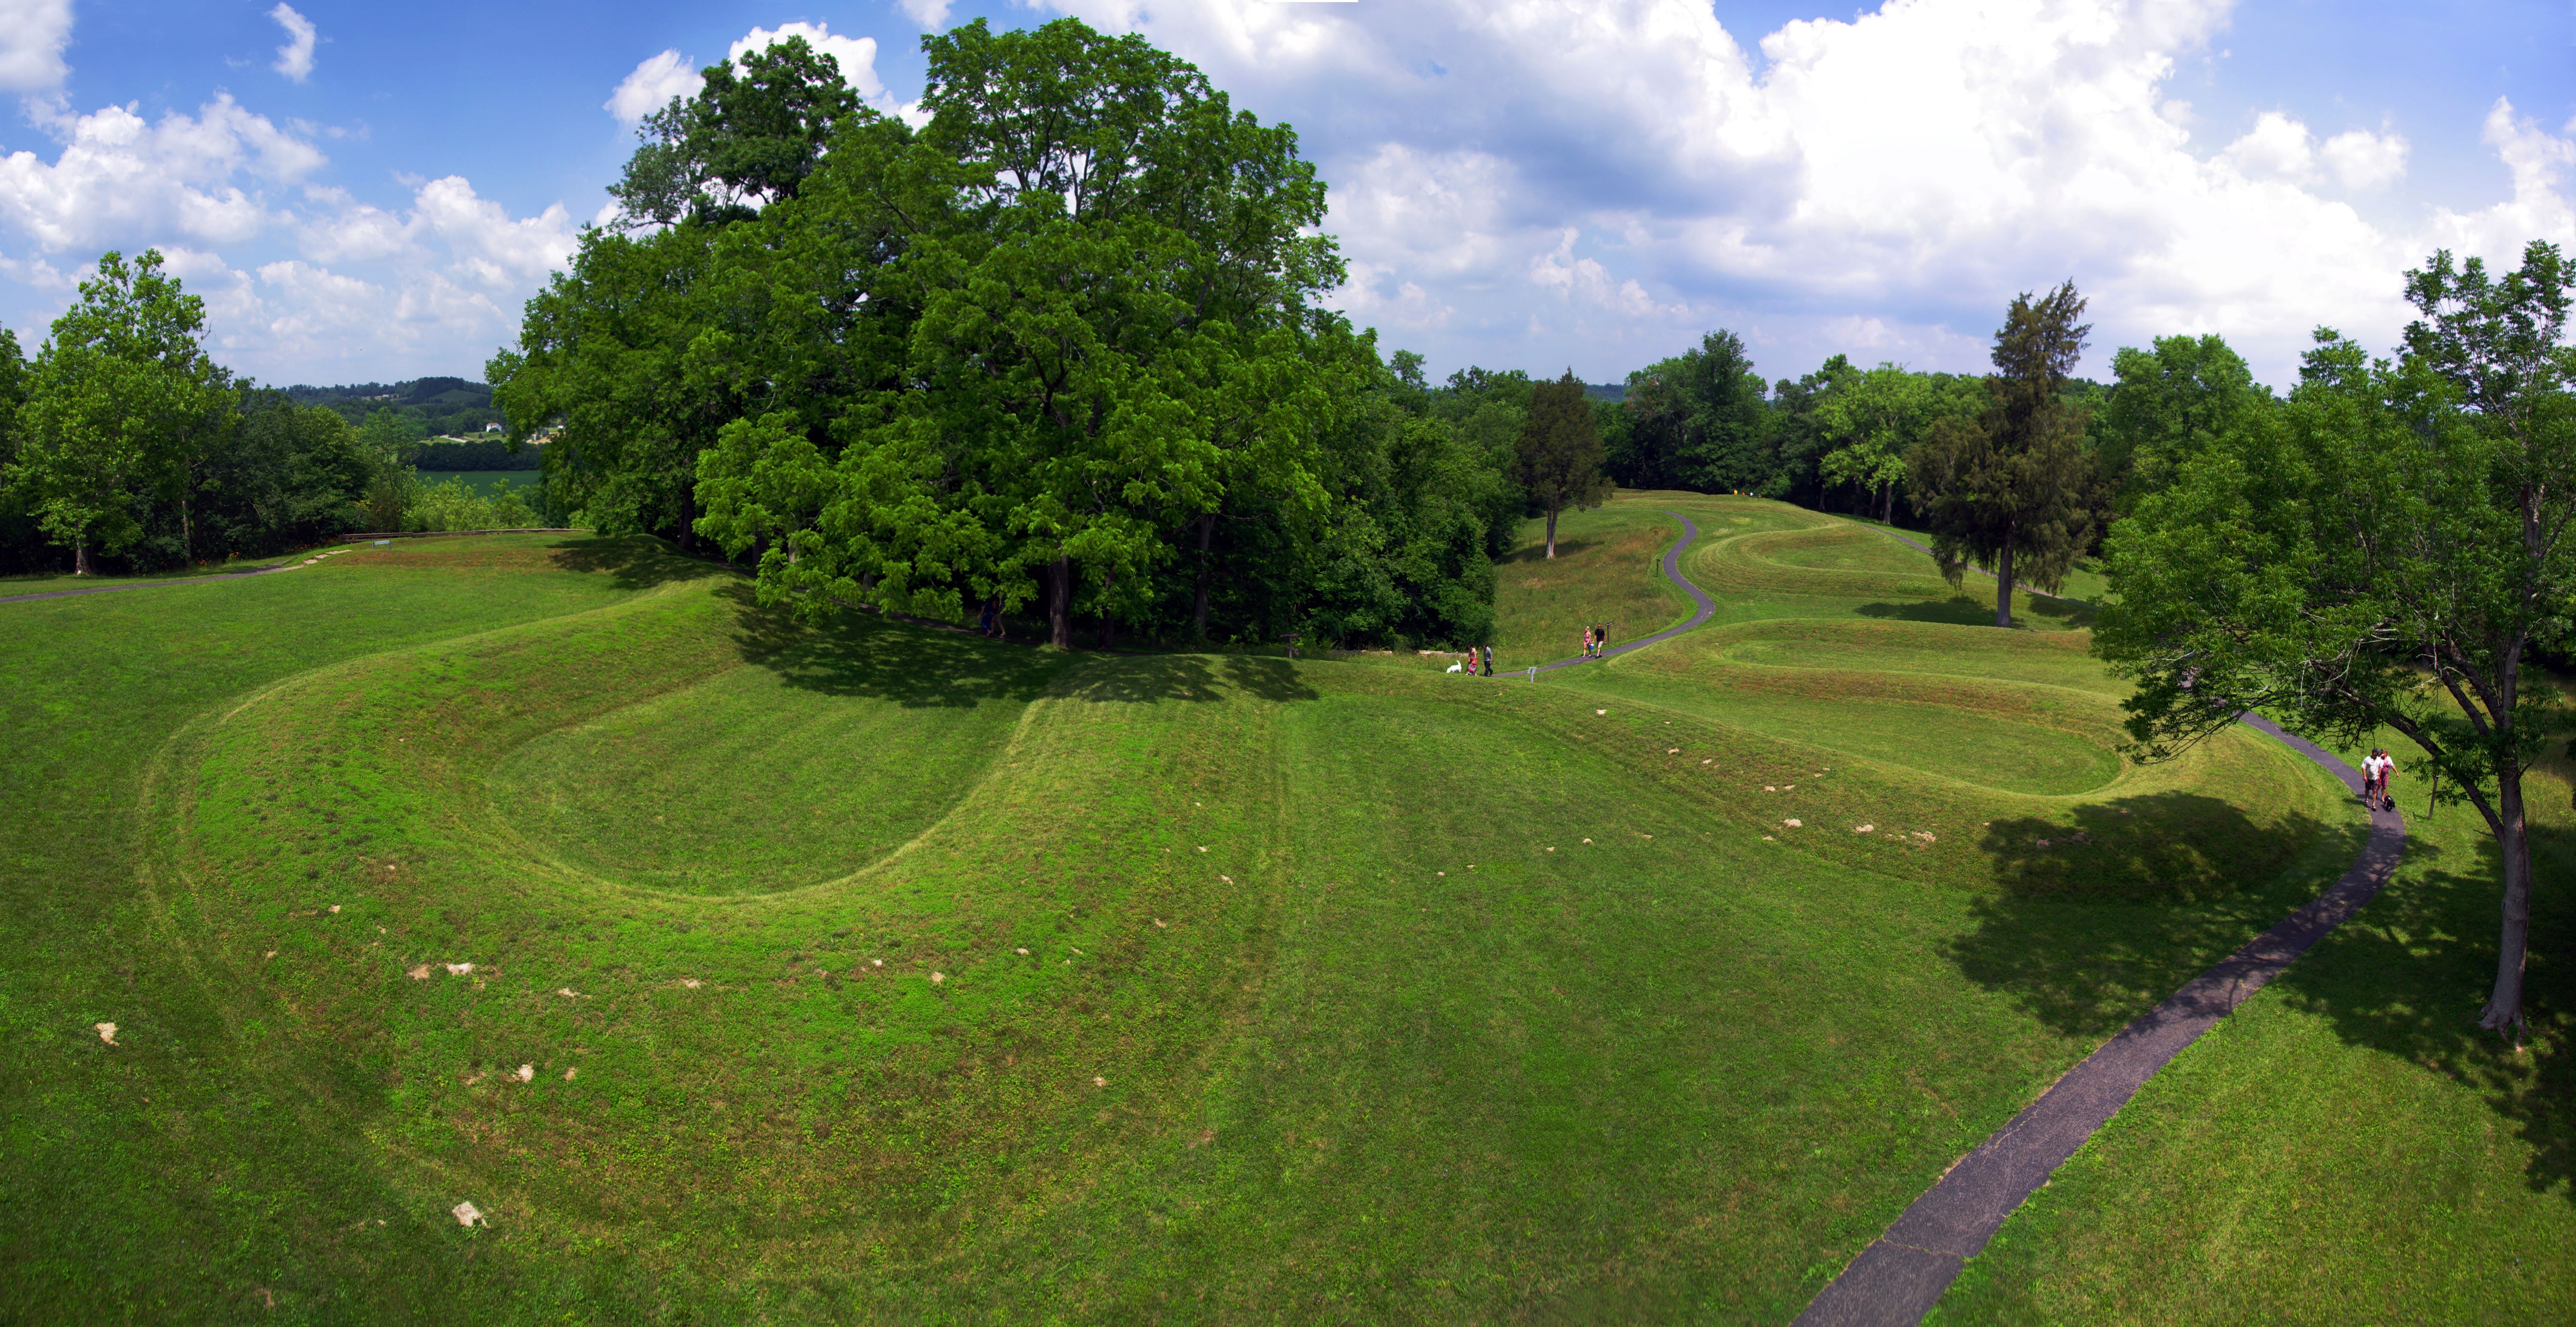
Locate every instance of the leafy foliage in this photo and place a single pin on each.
(2383, 549)
(1057, 351)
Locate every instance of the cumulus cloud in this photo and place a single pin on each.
(651, 87)
(295, 58)
(182, 177)
(931, 14)
(361, 290)
(2363, 160)
(1633, 168)
(657, 79)
(857, 56)
(33, 34)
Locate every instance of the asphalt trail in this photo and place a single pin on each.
(1673, 573)
(1901, 1275)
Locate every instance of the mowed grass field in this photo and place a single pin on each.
(880, 973)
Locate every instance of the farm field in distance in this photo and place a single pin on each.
(738, 970)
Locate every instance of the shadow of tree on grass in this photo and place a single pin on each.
(638, 562)
(2409, 976)
(861, 654)
(2095, 924)
(1957, 610)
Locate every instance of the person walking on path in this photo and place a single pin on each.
(2374, 780)
(1600, 640)
(1489, 660)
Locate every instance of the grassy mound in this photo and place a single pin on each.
(737, 970)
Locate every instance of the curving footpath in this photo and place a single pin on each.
(1673, 573)
(1901, 1275)
(146, 585)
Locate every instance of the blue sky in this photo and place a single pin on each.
(1569, 183)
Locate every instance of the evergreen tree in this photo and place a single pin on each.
(2006, 489)
(1558, 460)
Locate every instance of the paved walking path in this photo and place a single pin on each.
(1673, 573)
(1901, 1275)
(145, 585)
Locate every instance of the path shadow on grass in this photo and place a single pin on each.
(2094, 924)
(638, 562)
(2409, 976)
(861, 654)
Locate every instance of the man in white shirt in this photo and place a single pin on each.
(2374, 779)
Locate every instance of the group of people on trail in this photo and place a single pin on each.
(2375, 772)
(1595, 639)
(1470, 667)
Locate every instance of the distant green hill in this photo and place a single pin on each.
(440, 405)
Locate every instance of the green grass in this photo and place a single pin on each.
(1265, 991)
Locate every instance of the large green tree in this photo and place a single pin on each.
(1090, 337)
(1696, 420)
(121, 400)
(1559, 457)
(1875, 419)
(2386, 548)
(2007, 488)
(2169, 403)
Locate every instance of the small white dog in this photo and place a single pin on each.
(1457, 668)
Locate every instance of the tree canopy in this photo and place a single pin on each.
(2384, 549)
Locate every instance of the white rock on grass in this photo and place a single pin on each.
(106, 1032)
(420, 973)
(1863, 829)
(938, 977)
(466, 1214)
(1791, 823)
(526, 1073)
(459, 969)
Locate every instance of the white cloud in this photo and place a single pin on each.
(857, 56)
(652, 86)
(2364, 160)
(1899, 175)
(295, 58)
(119, 176)
(931, 14)
(2277, 146)
(652, 83)
(360, 291)
(32, 36)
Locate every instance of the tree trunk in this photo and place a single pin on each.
(1060, 603)
(2505, 1006)
(689, 522)
(1108, 624)
(1207, 572)
(187, 533)
(1887, 513)
(80, 558)
(1551, 532)
(2003, 586)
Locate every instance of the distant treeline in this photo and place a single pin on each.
(434, 406)
(494, 453)
(124, 448)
